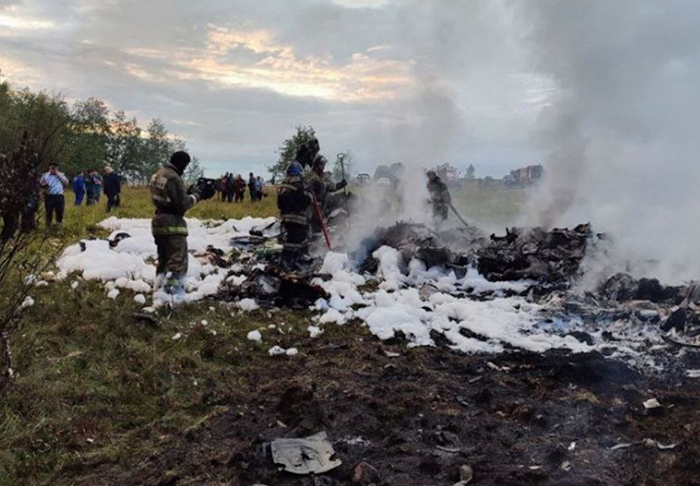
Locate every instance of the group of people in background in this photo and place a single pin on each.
(90, 188)
(54, 182)
(232, 188)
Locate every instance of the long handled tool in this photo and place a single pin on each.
(341, 158)
(458, 215)
(317, 208)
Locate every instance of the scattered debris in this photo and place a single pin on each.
(254, 336)
(621, 446)
(313, 454)
(365, 474)
(651, 404)
(548, 257)
(146, 318)
(177, 336)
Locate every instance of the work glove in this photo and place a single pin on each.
(341, 184)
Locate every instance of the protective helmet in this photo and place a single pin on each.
(320, 161)
(294, 169)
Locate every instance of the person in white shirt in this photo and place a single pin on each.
(54, 182)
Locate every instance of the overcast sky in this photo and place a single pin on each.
(417, 81)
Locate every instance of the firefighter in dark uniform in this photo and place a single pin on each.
(293, 201)
(440, 198)
(172, 199)
(317, 183)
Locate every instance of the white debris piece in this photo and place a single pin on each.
(74, 285)
(27, 302)
(276, 351)
(314, 331)
(651, 404)
(140, 299)
(130, 265)
(113, 294)
(248, 305)
(254, 336)
(693, 373)
(292, 352)
(177, 336)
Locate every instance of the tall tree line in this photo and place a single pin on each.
(85, 135)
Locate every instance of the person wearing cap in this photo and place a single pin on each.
(172, 199)
(440, 198)
(54, 182)
(293, 201)
(112, 188)
(320, 186)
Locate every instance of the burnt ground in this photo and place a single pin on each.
(425, 413)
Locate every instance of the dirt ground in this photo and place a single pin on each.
(516, 419)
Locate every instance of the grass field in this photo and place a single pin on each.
(95, 386)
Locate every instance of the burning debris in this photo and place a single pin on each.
(550, 258)
(454, 287)
(271, 287)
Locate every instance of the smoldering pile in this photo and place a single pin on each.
(456, 287)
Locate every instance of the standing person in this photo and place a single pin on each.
(293, 202)
(54, 182)
(98, 185)
(318, 184)
(221, 188)
(259, 185)
(79, 188)
(239, 185)
(113, 188)
(90, 187)
(252, 188)
(169, 228)
(440, 198)
(230, 187)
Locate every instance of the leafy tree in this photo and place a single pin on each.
(194, 171)
(125, 147)
(288, 150)
(90, 132)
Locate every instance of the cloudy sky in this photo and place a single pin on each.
(392, 80)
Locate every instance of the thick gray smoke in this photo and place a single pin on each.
(621, 134)
(428, 124)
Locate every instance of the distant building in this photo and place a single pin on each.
(525, 176)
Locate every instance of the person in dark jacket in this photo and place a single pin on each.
(112, 188)
(90, 189)
(172, 199)
(79, 188)
(230, 187)
(293, 201)
(440, 198)
(252, 185)
(239, 188)
(316, 181)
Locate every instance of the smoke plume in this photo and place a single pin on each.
(619, 136)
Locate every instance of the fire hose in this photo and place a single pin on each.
(458, 216)
(341, 158)
(319, 214)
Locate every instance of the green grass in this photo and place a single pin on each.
(94, 386)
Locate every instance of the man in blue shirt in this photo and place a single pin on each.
(53, 182)
(79, 188)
